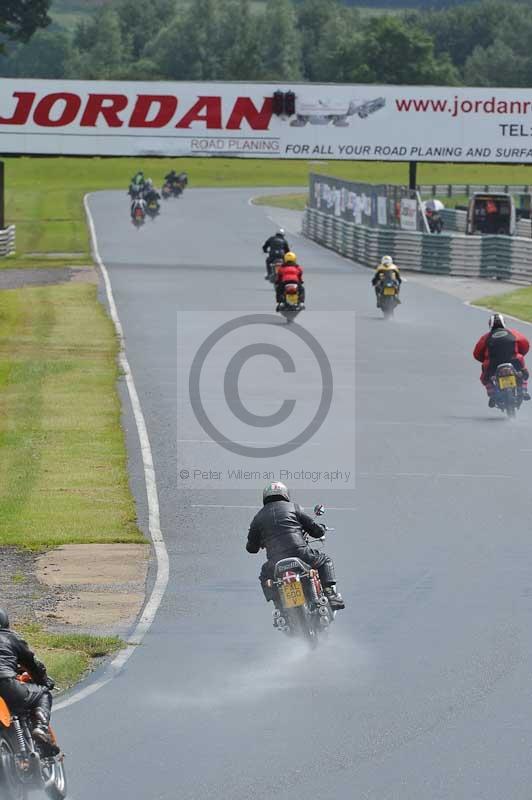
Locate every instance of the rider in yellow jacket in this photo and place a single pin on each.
(385, 269)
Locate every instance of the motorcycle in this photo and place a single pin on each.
(153, 208)
(302, 607)
(508, 391)
(273, 268)
(138, 213)
(25, 763)
(171, 190)
(290, 305)
(388, 297)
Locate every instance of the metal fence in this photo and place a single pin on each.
(361, 203)
(468, 189)
(506, 258)
(7, 241)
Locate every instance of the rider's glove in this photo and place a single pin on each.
(49, 683)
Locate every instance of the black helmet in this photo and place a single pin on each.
(4, 619)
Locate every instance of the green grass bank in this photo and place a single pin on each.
(68, 657)
(517, 304)
(63, 475)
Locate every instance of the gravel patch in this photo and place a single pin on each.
(17, 278)
(21, 593)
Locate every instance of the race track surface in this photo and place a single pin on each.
(423, 691)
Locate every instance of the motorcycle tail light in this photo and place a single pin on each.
(290, 577)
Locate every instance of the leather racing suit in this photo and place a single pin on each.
(279, 528)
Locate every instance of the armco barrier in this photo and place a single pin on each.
(7, 241)
(505, 257)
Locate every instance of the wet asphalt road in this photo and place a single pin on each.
(424, 689)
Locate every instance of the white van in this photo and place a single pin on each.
(491, 213)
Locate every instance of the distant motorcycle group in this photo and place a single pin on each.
(145, 199)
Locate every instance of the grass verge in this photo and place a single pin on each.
(517, 304)
(68, 657)
(296, 202)
(45, 195)
(63, 475)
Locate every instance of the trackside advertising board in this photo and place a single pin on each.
(391, 123)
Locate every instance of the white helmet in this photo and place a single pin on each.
(275, 489)
(280, 232)
(497, 321)
(387, 261)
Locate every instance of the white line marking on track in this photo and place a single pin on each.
(154, 523)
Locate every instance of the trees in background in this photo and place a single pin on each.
(19, 19)
(483, 43)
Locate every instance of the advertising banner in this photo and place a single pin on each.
(366, 122)
(362, 203)
(409, 214)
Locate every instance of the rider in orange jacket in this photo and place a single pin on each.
(501, 345)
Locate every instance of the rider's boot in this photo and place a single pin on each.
(41, 730)
(335, 598)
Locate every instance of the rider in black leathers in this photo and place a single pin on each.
(174, 179)
(276, 247)
(36, 697)
(279, 527)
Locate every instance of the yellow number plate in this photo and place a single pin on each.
(292, 299)
(293, 595)
(389, 290)
(507, 383)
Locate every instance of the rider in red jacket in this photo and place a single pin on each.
(290, 272)
(501, 345)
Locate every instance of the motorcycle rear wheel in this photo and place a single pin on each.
(11, 786)
(306, 628)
